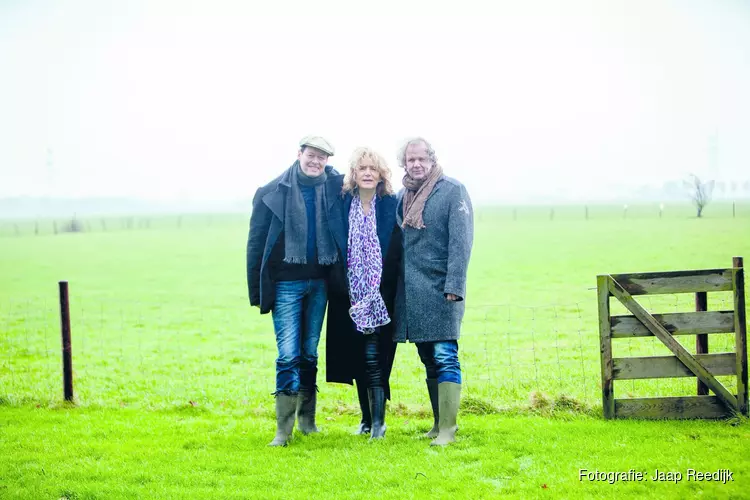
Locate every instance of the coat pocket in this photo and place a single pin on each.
(435, 271)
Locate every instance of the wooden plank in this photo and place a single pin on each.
(675, 323)
(605, 346)
(701, 340)
(672, 344)
(706, 280)
(740, 336)
(671, 367)
(672, 407)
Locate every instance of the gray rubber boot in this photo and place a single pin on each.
(285, 407)
(306, 411)
(377, 410)
(432, 389)
(449, 398)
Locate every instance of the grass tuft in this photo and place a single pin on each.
(477, 406)
(563, 405)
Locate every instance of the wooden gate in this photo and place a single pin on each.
(665, 327)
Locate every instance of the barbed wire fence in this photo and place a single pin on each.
(45, 226)
(198, 352)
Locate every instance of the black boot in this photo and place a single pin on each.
(377, 410)
(432, 389)
(364, 405)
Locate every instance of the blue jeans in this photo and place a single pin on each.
(440, 360)
(297, 319)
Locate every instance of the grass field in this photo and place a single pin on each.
(173, 369)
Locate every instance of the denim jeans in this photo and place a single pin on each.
(440, 360)
(297, 319)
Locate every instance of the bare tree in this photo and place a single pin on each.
(699, 192)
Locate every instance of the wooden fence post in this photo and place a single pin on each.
(67, 354)
(605, 346)
(701, 340)
(740, 333)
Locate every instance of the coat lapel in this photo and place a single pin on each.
(275, 201)
(338, 221)
(333, 190)
(385, 221)
(400, 198)
(437, 187)
(400, 207)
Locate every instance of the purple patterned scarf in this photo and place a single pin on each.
(364, 269)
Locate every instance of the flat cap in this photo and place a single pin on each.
(317, 142)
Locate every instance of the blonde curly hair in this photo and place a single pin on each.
(384, 186)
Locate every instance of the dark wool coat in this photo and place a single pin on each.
(344, 344)
(266, 224)
(434, 263)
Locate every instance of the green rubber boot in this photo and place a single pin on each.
(449, 399)
(432, 389)
(285, 408)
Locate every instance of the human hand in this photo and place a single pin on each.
(451, 297)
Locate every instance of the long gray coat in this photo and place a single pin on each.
(434, 263)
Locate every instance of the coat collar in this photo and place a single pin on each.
(333, 187)
(385, 214)
(400, 199)
(437, 187)
(339, 222)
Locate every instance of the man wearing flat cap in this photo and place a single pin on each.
(289, 251)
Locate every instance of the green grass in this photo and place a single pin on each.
(173, 369)
(188, 452)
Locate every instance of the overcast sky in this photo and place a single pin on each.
(208, 100)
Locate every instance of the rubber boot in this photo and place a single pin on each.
(377, 410)
(306, 411)
(449, 399)
(364, 405)
(432, 389)
(285, 407)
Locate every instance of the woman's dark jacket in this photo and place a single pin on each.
(344, 344)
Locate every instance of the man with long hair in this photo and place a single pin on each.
(437, 220)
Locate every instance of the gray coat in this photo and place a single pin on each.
(435, 261)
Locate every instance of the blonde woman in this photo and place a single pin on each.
(362, 286)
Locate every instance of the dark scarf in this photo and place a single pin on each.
(295, 220)
(416, 195)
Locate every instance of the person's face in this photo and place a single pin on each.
(313, 161)
(418, 163)
(366, 174)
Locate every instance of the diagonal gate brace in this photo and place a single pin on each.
(673, 345)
